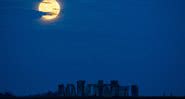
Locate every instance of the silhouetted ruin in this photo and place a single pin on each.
(99, 89)
(135, 90)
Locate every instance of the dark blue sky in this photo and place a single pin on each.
(134, 41)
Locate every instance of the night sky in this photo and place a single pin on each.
(134, 41)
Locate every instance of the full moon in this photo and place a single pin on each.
(51, 7)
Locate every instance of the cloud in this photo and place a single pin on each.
(21, 13)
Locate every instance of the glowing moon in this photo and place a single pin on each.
(51, 7)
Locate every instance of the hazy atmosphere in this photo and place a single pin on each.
(134, 41)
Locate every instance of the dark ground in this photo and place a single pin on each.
(130, 97)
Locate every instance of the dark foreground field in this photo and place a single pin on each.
(130, 97)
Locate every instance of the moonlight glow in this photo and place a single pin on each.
(51, 7)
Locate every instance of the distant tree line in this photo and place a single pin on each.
(7, 94)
